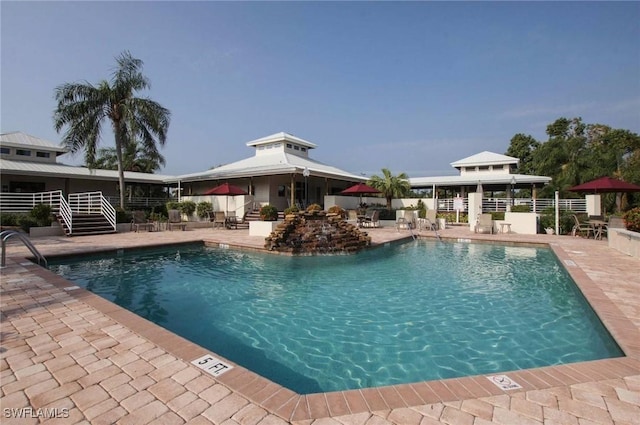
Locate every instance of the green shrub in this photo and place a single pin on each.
(173, 205)
(123, 216)
(548, 220)
(422, 209)
(520, 208)
(42, 215)
(187, 207)
(632, 219)
(26, 222)
(291, 210)
(497, 215)
(268, 213)
(161, 210)
(204, 209)
(10, 219)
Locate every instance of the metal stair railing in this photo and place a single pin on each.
(64, 211)
(93, 203)
(6, 234)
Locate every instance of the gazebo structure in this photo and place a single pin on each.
(481, 173)
(280, 173)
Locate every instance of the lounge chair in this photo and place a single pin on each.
(371, 219)
(580, 228)
(219, 219)
(139, 221)
(484, 224)
(430, 220)
(407, 221)
(175, 220)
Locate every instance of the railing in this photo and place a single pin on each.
(139, 202)
(6, 234)
(64, 212)
(500, 204)
(92, 203)
(24, 202)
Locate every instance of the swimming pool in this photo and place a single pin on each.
(403, 313)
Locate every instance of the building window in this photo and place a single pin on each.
(483, 168)
(289, 146)
(43, 154)
(23, 152)
(303, 149)
(5, 151)
(296, 148)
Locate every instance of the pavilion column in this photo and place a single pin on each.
(293, 190)
(534, 197)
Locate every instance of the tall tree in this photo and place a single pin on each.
(83, 108)
(522, 147)
(134, 158)
(391, 186)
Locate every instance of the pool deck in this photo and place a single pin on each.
(70, 357)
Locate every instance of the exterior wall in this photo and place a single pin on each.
(522, 223)
(486, 169)
(34, 151)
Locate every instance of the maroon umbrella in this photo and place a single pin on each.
(226, 189)
(359, 189)
(606, 185)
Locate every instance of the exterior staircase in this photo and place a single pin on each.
(87, 224)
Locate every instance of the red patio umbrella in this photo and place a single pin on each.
(606, 185)
(226, 189)
(359, 189)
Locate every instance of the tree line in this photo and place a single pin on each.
(575, 153)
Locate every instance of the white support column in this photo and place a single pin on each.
(475, 208)
(594, 204)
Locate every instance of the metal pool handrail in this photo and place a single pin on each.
(6, 234)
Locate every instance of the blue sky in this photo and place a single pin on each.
(410, 86)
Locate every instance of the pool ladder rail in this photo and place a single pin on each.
(6, 234)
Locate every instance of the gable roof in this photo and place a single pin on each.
(485, 158)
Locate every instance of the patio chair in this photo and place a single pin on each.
(430, 220)
(407, 221)
(139, 221)
(484, 224)
(371, 219)
(579, 228)
(175, 220)
(219, 219)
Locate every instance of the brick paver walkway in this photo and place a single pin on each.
(69, 357)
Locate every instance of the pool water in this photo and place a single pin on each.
(402, 313)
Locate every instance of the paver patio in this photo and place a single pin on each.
(70, 357)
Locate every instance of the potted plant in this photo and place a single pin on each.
(268, 213)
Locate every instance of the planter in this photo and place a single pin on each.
(262, 228)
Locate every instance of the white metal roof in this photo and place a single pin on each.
(20, 139)
(485, 158)
(474, 179)
(275, 163)
(60, 170)
(282, 137)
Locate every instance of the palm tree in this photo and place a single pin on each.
(134, 158)
(83, 108)
(391, 186)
